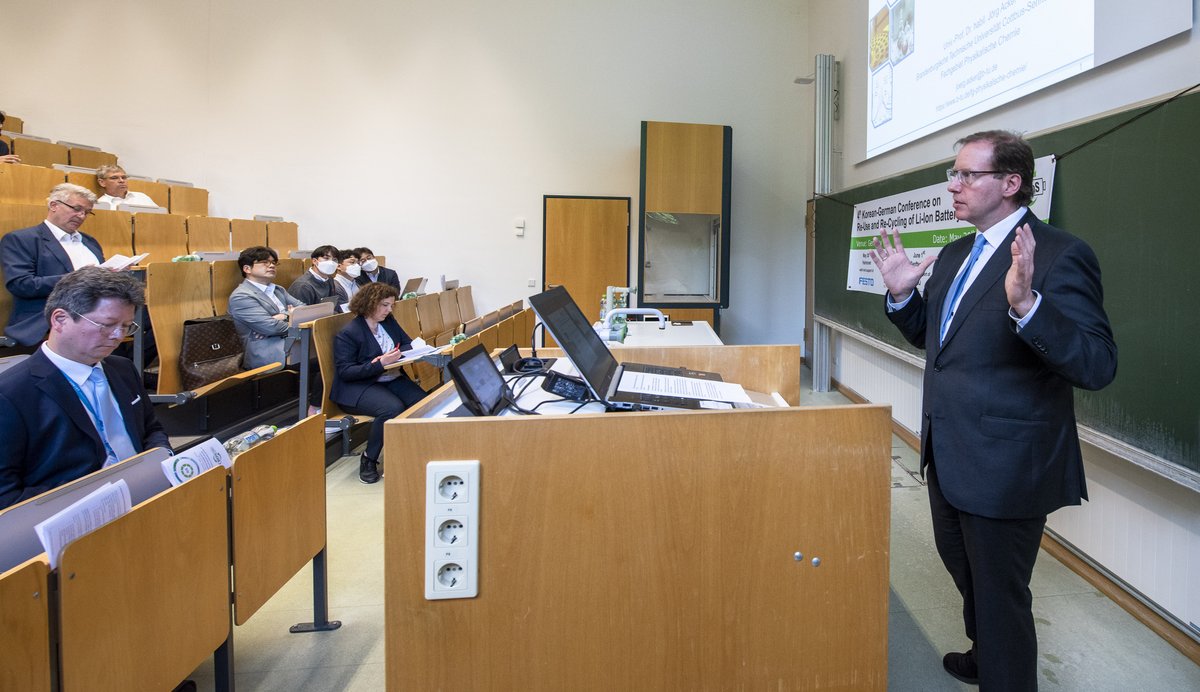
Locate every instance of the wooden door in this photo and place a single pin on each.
(585, 247)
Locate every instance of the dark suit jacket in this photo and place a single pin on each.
(353, 349)
(998, 404)
(33, 261)
(46, 437)
(310, 290)
(386, 276)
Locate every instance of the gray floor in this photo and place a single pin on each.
(1086, 641)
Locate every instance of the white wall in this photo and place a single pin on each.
(1143, 529)
(423, 129)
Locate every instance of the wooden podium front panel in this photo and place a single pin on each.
(650, 551)
(145, 599)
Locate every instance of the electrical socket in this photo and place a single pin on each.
(451, 529)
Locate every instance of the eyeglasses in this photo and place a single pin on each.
(76, 209)
(968, 177)
(118, 330)
(269, 263)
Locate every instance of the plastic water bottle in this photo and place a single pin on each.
(246, 440)
(603, 306)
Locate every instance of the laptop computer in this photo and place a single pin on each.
(596, 364)
(415, 285)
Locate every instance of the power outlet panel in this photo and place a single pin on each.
(451, 529)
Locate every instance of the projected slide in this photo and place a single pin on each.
(936, 62)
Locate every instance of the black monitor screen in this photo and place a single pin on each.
(575, 335)
(479, 383)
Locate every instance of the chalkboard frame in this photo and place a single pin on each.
(1133, 195)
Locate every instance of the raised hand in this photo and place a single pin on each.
(1019, 280)
(899, 274)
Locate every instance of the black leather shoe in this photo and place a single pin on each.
(962, 666)
(368, 470)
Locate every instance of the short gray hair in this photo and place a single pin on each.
(106, 170)
(63, 192)
(80, 291)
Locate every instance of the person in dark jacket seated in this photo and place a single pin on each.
(362, 349)
(72, 407)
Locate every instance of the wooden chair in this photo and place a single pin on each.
(490, 338)
(13, 124)
(226, 276)
(473, 327)
(405, 312)
(25, 184)
(429, 311)
(90, 158)
(175, 291)
(34, 152)
(164, 236)
(288, 270)
(246, 233)
(491, 319)
(466, 304)
(159, 192)
(448, 302)
(208, 234)
(186, 200)
(322, 333)
(505, 333)
(283, 236)
(87, 180)
(114, 231)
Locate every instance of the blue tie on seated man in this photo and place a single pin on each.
(72, 407)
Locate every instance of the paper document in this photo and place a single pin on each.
(185, 466)
(685, 387)
(121, 262)
(98, 508)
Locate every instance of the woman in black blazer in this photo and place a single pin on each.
(371, 341)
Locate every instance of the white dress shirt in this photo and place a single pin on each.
(135, 199)
(72, 244)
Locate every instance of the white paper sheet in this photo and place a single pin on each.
(686, 387)
(98, 508)
(185, 466)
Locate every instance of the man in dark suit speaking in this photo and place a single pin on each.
(72, 408)
(35, 258)
(1011, 320)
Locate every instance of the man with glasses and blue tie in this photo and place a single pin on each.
(72, 407)
(34, 259)
(1012, 320)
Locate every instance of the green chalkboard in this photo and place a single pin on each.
(1134, 195)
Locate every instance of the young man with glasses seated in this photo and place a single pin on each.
(72, 407)
(34, 259)
(260, 310)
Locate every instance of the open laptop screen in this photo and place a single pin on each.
(578, 340)
(479, 383)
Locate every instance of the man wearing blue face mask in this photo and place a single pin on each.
(317, 284)
(372, 272)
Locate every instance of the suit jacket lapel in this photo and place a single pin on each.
(52, 247)
(60, 393)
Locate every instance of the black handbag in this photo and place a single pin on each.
(211, 350)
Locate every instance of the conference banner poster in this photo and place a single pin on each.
(925, 220)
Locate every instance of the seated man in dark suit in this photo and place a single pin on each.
(317, 283)
(34, 259)
(372, 272)
(72, 408)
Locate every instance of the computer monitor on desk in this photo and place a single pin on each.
(603, 375)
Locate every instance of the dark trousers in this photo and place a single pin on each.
(316, 387)
(991, 562)
(385, 401)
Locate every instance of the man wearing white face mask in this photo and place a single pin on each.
(348, 272)
(372, 272)
(317, 284)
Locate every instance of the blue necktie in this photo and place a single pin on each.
(959, 282)
(110, 425)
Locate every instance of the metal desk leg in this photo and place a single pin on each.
(321, 621)
(223, 665)
(305, 344)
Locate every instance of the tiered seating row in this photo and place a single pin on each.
(152, 590)
(24, 184)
